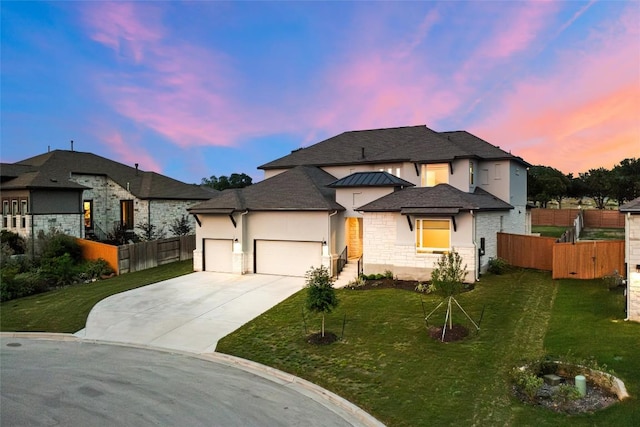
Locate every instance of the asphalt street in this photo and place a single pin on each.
(76, 383)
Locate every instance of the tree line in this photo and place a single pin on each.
(620, 184)
(235, 180)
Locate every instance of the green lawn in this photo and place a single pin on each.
(587, 233)
(66, 310)
(548, 230)
(387, 364)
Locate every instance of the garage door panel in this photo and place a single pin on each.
(286, 257)
(218, 255)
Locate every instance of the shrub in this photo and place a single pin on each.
(388, 274)
(94, 269)
(149, 232)
(181, 226)
(527, 382)
(15, 242)
(20, 285)
(55, 244)
(497, 266)
(565, 393)
(60, 271)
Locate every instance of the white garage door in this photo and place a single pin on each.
(218, 255)
(285, 257)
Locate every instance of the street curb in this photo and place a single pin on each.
(347, 410)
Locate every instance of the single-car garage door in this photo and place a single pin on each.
(218, 255)
(286, 257)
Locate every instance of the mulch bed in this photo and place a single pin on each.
(318, 339)
(408, 285)
(455, 333)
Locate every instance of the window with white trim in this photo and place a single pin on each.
(433, 235)
(434, 173)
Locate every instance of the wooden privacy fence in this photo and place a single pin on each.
(588, 260)
(94, 250)
(140, 256)
(143, 255)
(593, 218)
(581, 260)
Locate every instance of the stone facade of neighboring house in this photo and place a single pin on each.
(85, 195)
(631, 211)
(395, 199)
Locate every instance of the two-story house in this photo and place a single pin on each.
(84, 194)
(397, 197)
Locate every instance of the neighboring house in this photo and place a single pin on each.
(82, 194)
(632, 256)
(397, 197)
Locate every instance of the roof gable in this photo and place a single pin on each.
(59, 165)
(417, 144)
(303, 188)
(442, 197)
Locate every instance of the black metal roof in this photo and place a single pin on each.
(371, 179)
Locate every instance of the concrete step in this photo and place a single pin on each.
(348, 274)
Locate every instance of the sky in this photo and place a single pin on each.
(192, 89)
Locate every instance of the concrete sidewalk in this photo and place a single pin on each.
(188, 313)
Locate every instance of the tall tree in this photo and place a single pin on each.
(236, 180)
(625, 178)
(545, 184)
(599, 186)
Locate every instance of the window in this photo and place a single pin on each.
(5, 212)
(126, 214)
(434, 174)
(498, 171)
(391, 171)
(356, 200)
(471, 177)
(88, 213)
(14, 212)
(432, 235)
(25, 210)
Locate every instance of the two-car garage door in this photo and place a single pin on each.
(286, 257)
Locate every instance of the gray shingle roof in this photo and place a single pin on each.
(632, 206)
(53, 169)
(303, 188)
(442, 198)
(371, 179)
(403, 144)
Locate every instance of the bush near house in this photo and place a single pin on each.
(55, 260)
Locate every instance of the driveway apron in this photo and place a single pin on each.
(188, 313)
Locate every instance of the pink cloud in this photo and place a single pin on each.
(584, 114)
(115, 25)
(128, 153)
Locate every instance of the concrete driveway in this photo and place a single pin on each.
(188, 313)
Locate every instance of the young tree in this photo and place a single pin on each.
(181, 226)
(321, 296)
(449, 274)
(149, 232)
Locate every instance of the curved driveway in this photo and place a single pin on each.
(76, 383)
(187, 313)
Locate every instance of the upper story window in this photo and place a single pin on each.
(434, 173)
(471, 174)
(433, 235)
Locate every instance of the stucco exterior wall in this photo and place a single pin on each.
(389, 244)
(352, 198)
(632, 258)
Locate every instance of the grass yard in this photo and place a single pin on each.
(548, 230)
(387, 364)
(66, 309)
(602, 234)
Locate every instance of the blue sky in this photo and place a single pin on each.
(193, 89)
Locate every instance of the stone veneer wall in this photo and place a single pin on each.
(71, 224)
(382, 251)
(107, 194)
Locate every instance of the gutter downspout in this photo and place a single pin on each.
(627, 251)
(476, 251)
